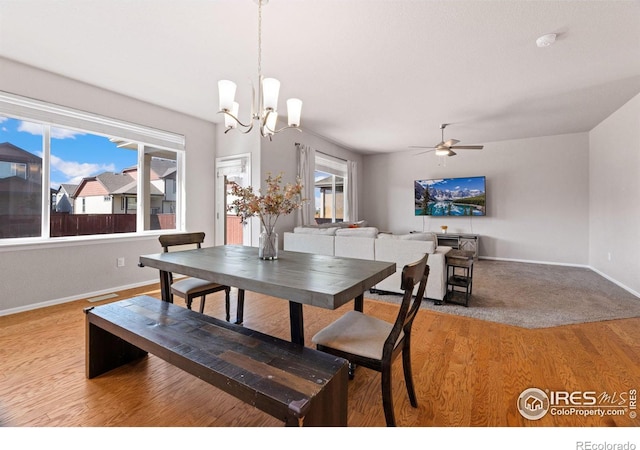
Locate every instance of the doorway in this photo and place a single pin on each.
(229, 227)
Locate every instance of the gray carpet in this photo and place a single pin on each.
(538, 296)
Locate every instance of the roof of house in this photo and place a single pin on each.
(69, 188)
(163, 167)
(13, 153)
(160, 166)
(15, 184)
(116, 184)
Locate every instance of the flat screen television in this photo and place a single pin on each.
(451, 197)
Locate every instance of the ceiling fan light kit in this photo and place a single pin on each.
(546, 40)
(265, 111)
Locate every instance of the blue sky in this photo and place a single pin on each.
(74, 155)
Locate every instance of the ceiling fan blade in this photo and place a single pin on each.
(451, 142)
(426, 151)
(452, 153)
(468, 147)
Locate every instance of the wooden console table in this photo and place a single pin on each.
(469, 242)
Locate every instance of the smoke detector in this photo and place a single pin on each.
(546, 40)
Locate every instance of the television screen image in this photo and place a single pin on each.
(451, 197)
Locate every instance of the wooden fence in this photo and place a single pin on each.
(63, 224)
(234, 230)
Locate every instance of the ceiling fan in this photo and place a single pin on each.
(446, 148)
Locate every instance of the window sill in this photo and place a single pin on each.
(21, 244)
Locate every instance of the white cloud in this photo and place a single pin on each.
(3, 119)
(30, 127)
(56, 133)
(75, 171)
(63, 133)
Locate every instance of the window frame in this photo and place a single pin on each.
(335, 167)
(50, 115)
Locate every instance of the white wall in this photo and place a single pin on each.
(537, 196)
(614, 161)
(38, 275)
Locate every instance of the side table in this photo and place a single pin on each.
(459, 275)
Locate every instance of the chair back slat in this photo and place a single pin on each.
(171, 240)
(412, 274)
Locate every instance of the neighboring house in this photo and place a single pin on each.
(325, 199)
(20, 181)
(163, 177)
(20, 192)
(64, 198)
(110, 193)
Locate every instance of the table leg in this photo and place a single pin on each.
(297, 323)
(358, 303)
(240, 307)
(165, 288)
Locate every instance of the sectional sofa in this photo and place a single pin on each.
(369, 243)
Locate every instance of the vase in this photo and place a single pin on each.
(268, 243)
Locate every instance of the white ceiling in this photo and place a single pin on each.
(374, 75)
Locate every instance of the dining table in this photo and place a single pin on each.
(300, 278)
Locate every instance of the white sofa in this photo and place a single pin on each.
(369, 243)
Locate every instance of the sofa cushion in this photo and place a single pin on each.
(370, 232)
(317, 244)
(355, 246)
(328, 231)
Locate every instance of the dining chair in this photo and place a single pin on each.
(190, 288)
(374, 343)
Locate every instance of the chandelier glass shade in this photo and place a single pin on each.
(264, 108)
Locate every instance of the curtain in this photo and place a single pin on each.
(351, 192)
(306, 169)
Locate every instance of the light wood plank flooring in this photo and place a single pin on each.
(467, 372)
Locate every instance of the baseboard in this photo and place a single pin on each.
(73, 298)
(585, 266)
(616, 282)
(530, 261)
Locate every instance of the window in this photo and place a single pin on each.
(20, 178)
(330, 176)
(93, 175)
(8, 169)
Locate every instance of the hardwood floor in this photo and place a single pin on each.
(468, 373)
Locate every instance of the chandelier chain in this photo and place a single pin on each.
(259, 40)
(264, 107)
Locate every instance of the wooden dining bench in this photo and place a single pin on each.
(298, 385)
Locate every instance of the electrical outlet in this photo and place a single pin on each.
(120, 262)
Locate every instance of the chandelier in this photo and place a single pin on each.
(264, 109)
